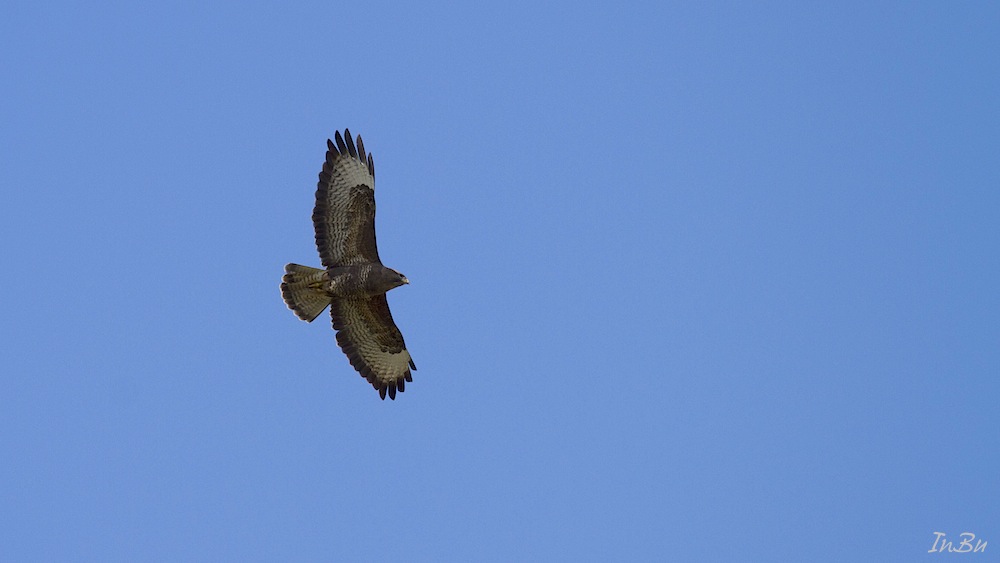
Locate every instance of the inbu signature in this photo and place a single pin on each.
(943, 544)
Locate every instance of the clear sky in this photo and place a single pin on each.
(708, 281)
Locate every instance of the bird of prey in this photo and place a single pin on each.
(354, 281)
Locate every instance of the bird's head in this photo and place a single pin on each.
(399, 279)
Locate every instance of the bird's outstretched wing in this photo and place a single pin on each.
(375, 347)
(344, 216)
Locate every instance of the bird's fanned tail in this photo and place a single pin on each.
(302, 290)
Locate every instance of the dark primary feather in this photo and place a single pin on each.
(350, 144)
(340, 143)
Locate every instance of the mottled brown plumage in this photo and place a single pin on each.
(354, 282)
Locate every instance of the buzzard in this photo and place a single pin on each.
(354, 282)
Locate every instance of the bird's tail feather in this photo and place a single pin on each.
(302, 289)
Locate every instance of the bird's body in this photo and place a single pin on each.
(354, 282)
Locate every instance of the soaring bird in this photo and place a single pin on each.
(354, 281)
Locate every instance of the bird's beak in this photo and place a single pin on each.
(405, 280)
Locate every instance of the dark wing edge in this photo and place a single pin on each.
(348, 149)
(372, 342)
(344, 215)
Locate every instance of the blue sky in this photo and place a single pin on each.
(698, 281)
